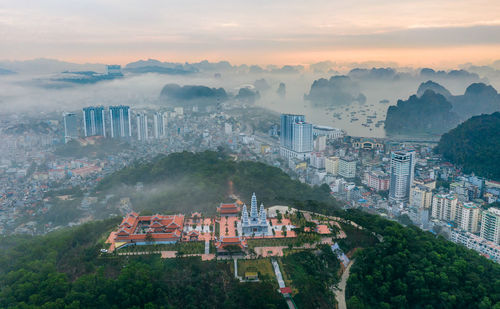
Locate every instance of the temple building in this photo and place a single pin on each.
(230, 245)
(228, 209)
(146, 230)
(256, 224)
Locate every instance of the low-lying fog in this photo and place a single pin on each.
(35, 93)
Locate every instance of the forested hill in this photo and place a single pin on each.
(64, 270)
(414, 269)
(475, 145)
(188, 182)
(431, 113)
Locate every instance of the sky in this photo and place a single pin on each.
(438, 33)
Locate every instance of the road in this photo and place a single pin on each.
(281, 284)
(207, 246)
(340, 293)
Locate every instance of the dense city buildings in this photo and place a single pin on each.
(120, 123)
(377, 180)
(94, 121)
(402, 173)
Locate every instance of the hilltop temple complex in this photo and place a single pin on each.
(231, 229)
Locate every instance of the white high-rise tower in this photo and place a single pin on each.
(402, 172)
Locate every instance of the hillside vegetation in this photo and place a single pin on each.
(475, 145)
(64, 270)
(416, 269)
(185, 182)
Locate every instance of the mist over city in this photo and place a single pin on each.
(250, 154)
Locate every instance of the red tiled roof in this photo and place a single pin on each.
(286, 290)
(162, 227)
(228, 208)
(228, 211)
(228, 241)
(156, 224)
(227, 205)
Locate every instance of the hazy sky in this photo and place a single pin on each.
(420, 32)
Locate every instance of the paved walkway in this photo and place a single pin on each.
(235, 260)
(277, 271)
(281, 283)
(207, 246)
(340, 293)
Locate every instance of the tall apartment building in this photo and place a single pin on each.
(94, 123)
(158, 126)
(120, 123)
(287, 121)
(402, 174)
(302, 138)
(444, 207)
(468, 215)
(70, 127)
(142, 127)
(420, 196)
(347, 167)
(332, 165)
(490, 225)
(296, 138)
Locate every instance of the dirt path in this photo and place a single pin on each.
(340, 293)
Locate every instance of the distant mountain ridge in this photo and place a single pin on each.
(431, 113)
(190, 95)
(437, 88)
(423, 114)
(338, 90)
(6, 72)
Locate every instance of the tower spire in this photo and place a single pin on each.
(262, 215)
(254, 216)
(244, 215)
